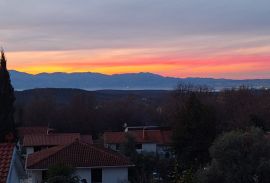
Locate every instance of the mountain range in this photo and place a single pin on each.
(131, 81)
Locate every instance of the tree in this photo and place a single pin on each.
(61, 173)
(7, 126)
(239, 157)
(148, 166)
(128, 148)
(193, 133)
(40, 111)
(145, 165)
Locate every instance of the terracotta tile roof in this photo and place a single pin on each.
(76, 154)
(86, 139)
(22, 131)
(162, 137)
(49, 139)
(6, 152)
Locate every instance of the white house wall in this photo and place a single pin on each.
(36, 176)
(114, 175)
(149, 148)
(13, 176)
(109, 175)
(29, 150)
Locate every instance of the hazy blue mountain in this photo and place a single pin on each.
(133, 81)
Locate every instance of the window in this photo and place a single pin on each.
(96, 175)
(44, 175)
(138, 146)
(37, 148)
(117, 147)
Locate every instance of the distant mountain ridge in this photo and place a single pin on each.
(131, 81)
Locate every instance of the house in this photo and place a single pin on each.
(22, 131)
(11, 169)
(36, 142)
(148, 139)
(93, 164)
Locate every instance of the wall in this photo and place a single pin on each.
(13, 176)
(149, 148)
(114, 175)
(29, 150)
(109, 175)
(36, 176)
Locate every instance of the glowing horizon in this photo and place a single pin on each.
(230, 67)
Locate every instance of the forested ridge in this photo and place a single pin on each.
(97, 111)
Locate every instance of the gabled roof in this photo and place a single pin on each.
(6, 152)
(54, 139)
(76, 154)
(49, 139)
(22, 131)
(162, 137)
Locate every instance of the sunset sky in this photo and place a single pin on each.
(181, 38)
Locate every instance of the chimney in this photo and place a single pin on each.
(143, 133)
(125, 127)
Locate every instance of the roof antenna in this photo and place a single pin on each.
(48, 128)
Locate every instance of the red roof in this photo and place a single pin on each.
(49, 139)
(162, 137)
(6, 152)
(86, 139)
(22, 131)
(76, 154)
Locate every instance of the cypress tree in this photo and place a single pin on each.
(7, 98)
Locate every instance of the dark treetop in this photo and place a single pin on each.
(6, 102)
